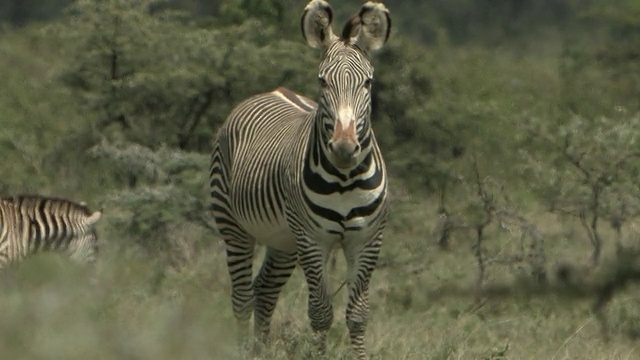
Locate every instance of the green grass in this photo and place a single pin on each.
(136, 307)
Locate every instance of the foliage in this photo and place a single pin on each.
(485, 120)
(21, 12)
(167, 190)
(155, 80)
(591, 170)
(600, 72)
(480, 21)
(481, 209)
(435, 104)
(273, 12)
(35, 111)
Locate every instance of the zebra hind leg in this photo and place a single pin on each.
(360, 267)
(239, 261)
(274, 273)
(320, 309)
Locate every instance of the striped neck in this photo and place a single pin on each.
(318, 160)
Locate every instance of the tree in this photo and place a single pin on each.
(155, 79)
(158, 86)
(20, 12)
(589, 171)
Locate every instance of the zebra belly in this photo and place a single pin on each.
(346, 234)
(354, 233)
(277, 236)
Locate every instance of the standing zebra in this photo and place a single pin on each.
(301, 177)
(32, 223)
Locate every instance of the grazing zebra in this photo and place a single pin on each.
(301, 178)
(33, 223)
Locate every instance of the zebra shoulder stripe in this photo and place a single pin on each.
(301, 102)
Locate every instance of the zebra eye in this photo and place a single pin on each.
(328, 125)
(367, 83)
(323, 82)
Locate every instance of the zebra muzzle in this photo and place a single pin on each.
(344, 146)
(344, 153)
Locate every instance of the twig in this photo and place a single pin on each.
(566, 341)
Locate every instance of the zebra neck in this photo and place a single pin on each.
(318, 168)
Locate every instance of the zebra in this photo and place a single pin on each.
(302, 177)
(33, 223)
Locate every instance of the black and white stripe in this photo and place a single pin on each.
(31, 223)
(276, 180)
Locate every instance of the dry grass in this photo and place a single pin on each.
(136, 308)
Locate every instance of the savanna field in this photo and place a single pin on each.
(511, 143)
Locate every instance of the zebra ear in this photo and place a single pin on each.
(370, 28)
(316, 24)
(93, 219)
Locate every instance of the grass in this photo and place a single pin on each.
(134, 307)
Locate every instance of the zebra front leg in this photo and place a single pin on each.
(274, 273)
(360, 265)
(320, 310)
(239, 262)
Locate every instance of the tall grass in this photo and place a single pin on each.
(135, 307)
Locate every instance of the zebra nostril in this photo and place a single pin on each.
(357, 148)
(330, 146)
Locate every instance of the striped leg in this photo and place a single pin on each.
(276, 270)
(312, 260)
(239, 261)
(360, 266)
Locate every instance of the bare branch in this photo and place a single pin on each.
(186, 134)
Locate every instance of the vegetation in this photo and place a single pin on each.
(510, 130)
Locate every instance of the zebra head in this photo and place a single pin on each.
(345, 76)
